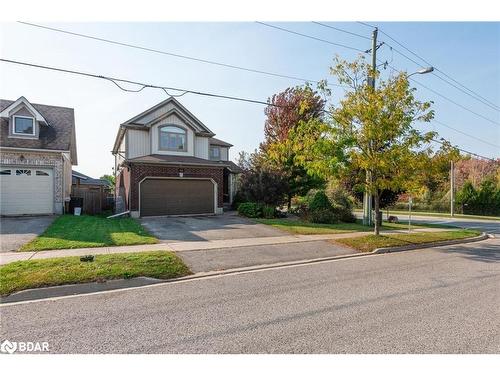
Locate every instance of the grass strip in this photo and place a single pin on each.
(372, 242)
(39, 273)
(71, 232)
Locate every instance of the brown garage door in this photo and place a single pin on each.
(176, 197)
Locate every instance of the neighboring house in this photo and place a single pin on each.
(37, 150)
(79, 180)
(95, 192)
(168, 162)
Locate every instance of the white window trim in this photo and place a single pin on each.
(215, 157)
(14, 125)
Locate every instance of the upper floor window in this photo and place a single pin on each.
(214, 152)
(24, 125)
(173, 138)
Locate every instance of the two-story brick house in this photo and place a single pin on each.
(37, 150)
(167, 162)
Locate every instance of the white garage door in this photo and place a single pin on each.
(25, 191)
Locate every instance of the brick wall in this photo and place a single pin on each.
(139, 171)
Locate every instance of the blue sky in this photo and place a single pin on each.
(469, 52)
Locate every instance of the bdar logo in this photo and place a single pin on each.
(8, 347)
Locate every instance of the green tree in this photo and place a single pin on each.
(110, 178)
(286, 111)
(370, 130)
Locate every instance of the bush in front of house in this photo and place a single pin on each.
(250, 209)
(257, 210)
(327, 207)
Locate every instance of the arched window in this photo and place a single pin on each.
(173, 138)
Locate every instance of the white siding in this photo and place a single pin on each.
(120, 156)
(201, 147)
(175, 120)
(138, 143)
(224, 153)
(155, 114)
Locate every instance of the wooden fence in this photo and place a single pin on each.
(92, 200)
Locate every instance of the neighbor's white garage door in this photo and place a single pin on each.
(25, 191)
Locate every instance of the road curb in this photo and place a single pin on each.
(383, 250)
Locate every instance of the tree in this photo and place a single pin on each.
(258, 183)
(110, 179)
(284, 114)
(370, 130)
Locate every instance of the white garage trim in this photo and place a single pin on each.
(180, 178)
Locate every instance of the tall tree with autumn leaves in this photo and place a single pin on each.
(286, 111)
(370, 130)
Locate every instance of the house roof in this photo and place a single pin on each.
(185, 160)
(86, 180)
(218, 142)
(170, 106)
(57, 130)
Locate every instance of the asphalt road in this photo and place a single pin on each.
(443, 300)
(489, 226)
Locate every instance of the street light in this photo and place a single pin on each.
(429, 69)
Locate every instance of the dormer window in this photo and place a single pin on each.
(173, 138)
(24, 125)
(215, 153)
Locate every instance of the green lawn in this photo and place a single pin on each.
(70, 232)
(372, 242)
(304, 227)
(38, 273)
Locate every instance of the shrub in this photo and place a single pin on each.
(257, 210)
(250, 209)
(319, 202)
(268, 212)
(323, 216)
(344, 214)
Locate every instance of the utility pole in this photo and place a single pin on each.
(452, 188)
(367, 197)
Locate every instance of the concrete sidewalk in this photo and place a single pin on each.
(10, 257)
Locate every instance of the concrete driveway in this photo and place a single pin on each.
(16, 231)
(207, 228)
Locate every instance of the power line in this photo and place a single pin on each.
(445, 97)
(461, 149)
(205, 61)
(143, 85)
(439, 70)
(310, 37)
(482, 101)
(164, 88)
(341, 30)
(454, 102)
(469, 92)
(466, 134)
(428, 88)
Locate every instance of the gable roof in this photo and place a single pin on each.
(218, 142)
(158, 112)
(7, 111)
(56, 133)
(164, 109)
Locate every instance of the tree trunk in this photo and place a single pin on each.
(289, 205)
(376, 199)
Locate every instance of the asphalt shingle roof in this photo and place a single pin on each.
(185, 160)
(57, 135)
